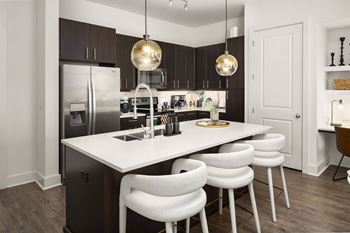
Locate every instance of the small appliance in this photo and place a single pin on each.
(154, 79)
(178, 101)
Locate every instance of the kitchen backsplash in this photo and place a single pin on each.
(218, 97)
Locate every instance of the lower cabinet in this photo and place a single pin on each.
(186, 116)
(203, 114)
(131, 123)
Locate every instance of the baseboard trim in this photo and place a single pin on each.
(317, 170)
(48, 182)
(20, 179)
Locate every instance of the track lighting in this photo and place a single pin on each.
(171, 2)
(185, 3)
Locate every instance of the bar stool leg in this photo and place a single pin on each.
(188, 224)
(169, 227)
(122, 218)
(175, 227)
(220, 200)
(204, 223)
(272, 198)
(255, 209)
(285, 190)
(232, 210)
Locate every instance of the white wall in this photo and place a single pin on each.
(48, 92)
(272, 13)
(215, 33)
(125, 22)
(20, 89)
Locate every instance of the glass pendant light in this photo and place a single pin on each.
(146, 54)
(226, 65)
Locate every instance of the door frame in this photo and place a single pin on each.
(308, 107)
(3, 98)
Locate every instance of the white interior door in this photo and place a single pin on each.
(277, 86)
(3, 97)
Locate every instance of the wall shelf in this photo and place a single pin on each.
(337, 92)
(337, 68)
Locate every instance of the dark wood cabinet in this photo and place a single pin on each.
(236, 48)
(131, 123)
(203, 114)
(186, 116)
(234, 106)
(190, 69)
(214, 80)
(103, 44)
(82, 42)
(128, 73)
(168, 63)
(201, 68)
(74, 41)
(180, 67)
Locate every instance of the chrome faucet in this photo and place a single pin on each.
(151, 110)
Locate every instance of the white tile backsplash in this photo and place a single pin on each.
(218, 97)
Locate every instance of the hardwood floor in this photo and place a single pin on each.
(317, 205)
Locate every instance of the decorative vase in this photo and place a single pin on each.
(214, 115)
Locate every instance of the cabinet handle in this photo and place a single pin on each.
(174, 84)
(227, 95)
(178, 84)
(131, 121)
(87, 53)
(207, 84)
(126, 83)
(188, 84)
(227, 84)
(203, 84)
(219, 84)
(94, 53)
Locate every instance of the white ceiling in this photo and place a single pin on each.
(200, 13)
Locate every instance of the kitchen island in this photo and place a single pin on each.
(96, 164)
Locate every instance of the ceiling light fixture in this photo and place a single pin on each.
(226, 65)
(185, 4)
(146, 54)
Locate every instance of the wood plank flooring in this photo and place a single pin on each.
(317, 205)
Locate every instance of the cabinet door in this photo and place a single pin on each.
(214, 80)
(236, 48)
(128, 72)
(74, 41)
(201, 68)
(181, 117)
(190, 69)
(191, 116)
(180, 67)
(234, 105)
(203, 114)
(103, 44)
(130, 123)
(168, 62)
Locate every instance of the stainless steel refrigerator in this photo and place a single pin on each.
(89, 102)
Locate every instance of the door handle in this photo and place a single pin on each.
(174, 84)
(178, 84)
(207, 84)
(297, 116)
(95, 55)
(203, 84)
(87, 53)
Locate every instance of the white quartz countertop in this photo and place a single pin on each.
(127, 156)
(188, 109)
(130, 114)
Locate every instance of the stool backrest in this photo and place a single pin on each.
(188, 176)
(343, 140)
(230, 156)
(268, 142)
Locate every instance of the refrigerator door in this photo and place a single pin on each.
(75, 107)
(106, 99)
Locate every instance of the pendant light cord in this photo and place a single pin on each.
(226, 27)
(146, 35)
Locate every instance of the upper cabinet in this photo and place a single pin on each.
(83, 42)
(128, 73)
(236, 48)
(184, 67)
(214, 80)
(201, 67)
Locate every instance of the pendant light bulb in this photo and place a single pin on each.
(146, 55)
(226, 64)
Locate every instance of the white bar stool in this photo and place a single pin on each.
(167, 198)
(267, 154)
(229, 169)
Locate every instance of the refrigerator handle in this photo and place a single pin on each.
(90, 107)
(93, 100)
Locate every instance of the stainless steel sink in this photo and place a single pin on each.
(137, 136)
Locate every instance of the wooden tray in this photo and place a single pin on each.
(212, 124)
(342, 84)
